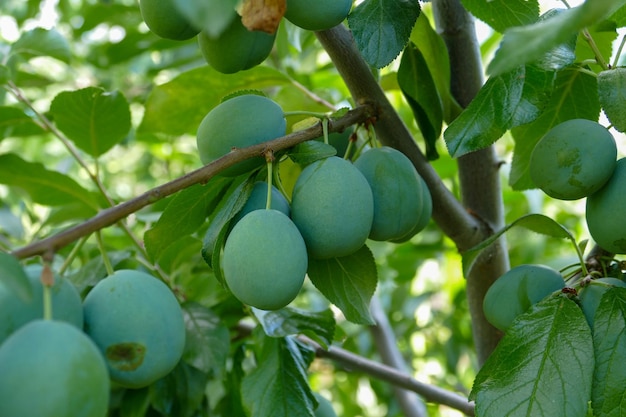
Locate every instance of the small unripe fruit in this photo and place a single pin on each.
(52, 369)
(258, 200)
(265, 260)
(237, 123)
(236, 49)
(397, 191)
(318, 15)
(164, 20)
(138, 325)
(324, 407)
(517, 290)
(573, 160)
(333, 207)
(603, 212)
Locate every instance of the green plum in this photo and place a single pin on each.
(258, 200)
(517, 290)
(52, 369)
(397, 191)
(15, 312)
(591, 294)
(239, 122)
(333, 207)
(165, 20)
(425, 215)
(573, 159)
(324, 407)
(603, 212)
(318, 15)
(137, 323)
(236, 48)
(265, 260)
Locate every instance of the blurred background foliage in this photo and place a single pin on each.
(421, 286)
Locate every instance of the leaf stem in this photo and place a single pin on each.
(105, 256)
(592, 44)
(619, 52)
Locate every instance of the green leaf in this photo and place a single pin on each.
(14, 122)
(320, 326)
(212, 16)
(420, 91)
(503, 14)
(135, 402)
(279, 386)
(542, 367)
(348, 282)
(178, 106)
(94, 119)
(310, 151)
(13, 277)
(435, 53)
(208, 340)
(50, 188)
(521, 45)
(42, 42)
(609, 342)
(180, 393)
(505, 101)
(231, 203)
(184, 215)
(381, 28)
(612, 95)
(5, 74)
(537, 223)
(575, 95)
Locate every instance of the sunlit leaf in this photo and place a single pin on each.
(279, 386)
(521, 45)
(320, 326)
(42, 42)
(381, 28)
(348, 282)
(44, 186)
(310, 151)
(542, 367)
(14, 122)
(503, 14)
(95, 120)
(575, 95)
(178, 106)
(609, 342)
(612, 95)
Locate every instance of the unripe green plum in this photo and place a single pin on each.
(397, 191)
(237, 123)
(265, 260)
(333, 206)
(258, 200)
(318, 15)
(603, 212)
(573, 160)
(591, 295)
(425, 215)
(15, 312)
(164, 20)
(236, 48)
(138, 325)
(52, 369)
(324, 407)
(517, 290)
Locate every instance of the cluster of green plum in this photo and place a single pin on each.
(577, 159)
(336, 205)
(237, 48)
(520, 288)
(127, 332)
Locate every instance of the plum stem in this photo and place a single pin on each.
(269, 157)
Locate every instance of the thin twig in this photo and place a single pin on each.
(114, 214)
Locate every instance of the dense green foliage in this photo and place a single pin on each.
(138, 325)
(103, 169)
(52, 369)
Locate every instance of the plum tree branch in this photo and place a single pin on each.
(479, 175)
(112, 215)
